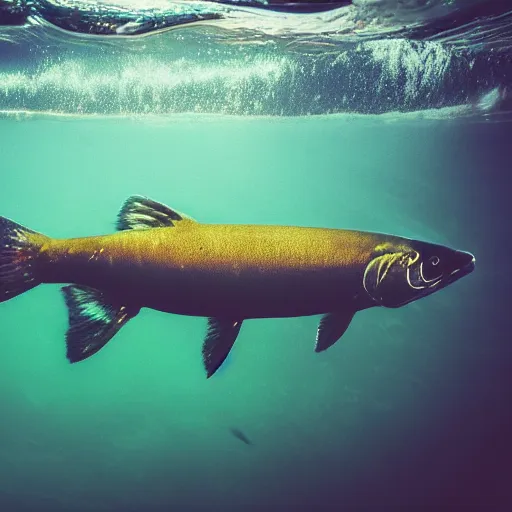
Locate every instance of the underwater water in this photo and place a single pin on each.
(410, 410)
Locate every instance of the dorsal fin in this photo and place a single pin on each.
(139, 212)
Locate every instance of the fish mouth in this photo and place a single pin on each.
(467, 267)
(470, 266)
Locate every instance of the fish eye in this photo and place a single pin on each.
(434, 261)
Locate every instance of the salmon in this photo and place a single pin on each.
(164, 260)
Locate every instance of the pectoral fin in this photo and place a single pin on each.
(331, 329)
(219, 339)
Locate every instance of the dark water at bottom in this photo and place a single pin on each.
(409, 411)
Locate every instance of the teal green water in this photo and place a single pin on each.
(410, 409)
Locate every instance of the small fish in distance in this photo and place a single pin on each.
(240, 435)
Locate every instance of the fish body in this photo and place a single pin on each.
(164, 260)
(209, 270)
(236, 432)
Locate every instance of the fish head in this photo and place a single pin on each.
(406, 270)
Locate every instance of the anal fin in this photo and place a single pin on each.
(93, 321)
(220, 338)
(331, 328)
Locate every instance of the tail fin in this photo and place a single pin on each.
(19, 248)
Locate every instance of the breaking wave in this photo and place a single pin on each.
(255, 58)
